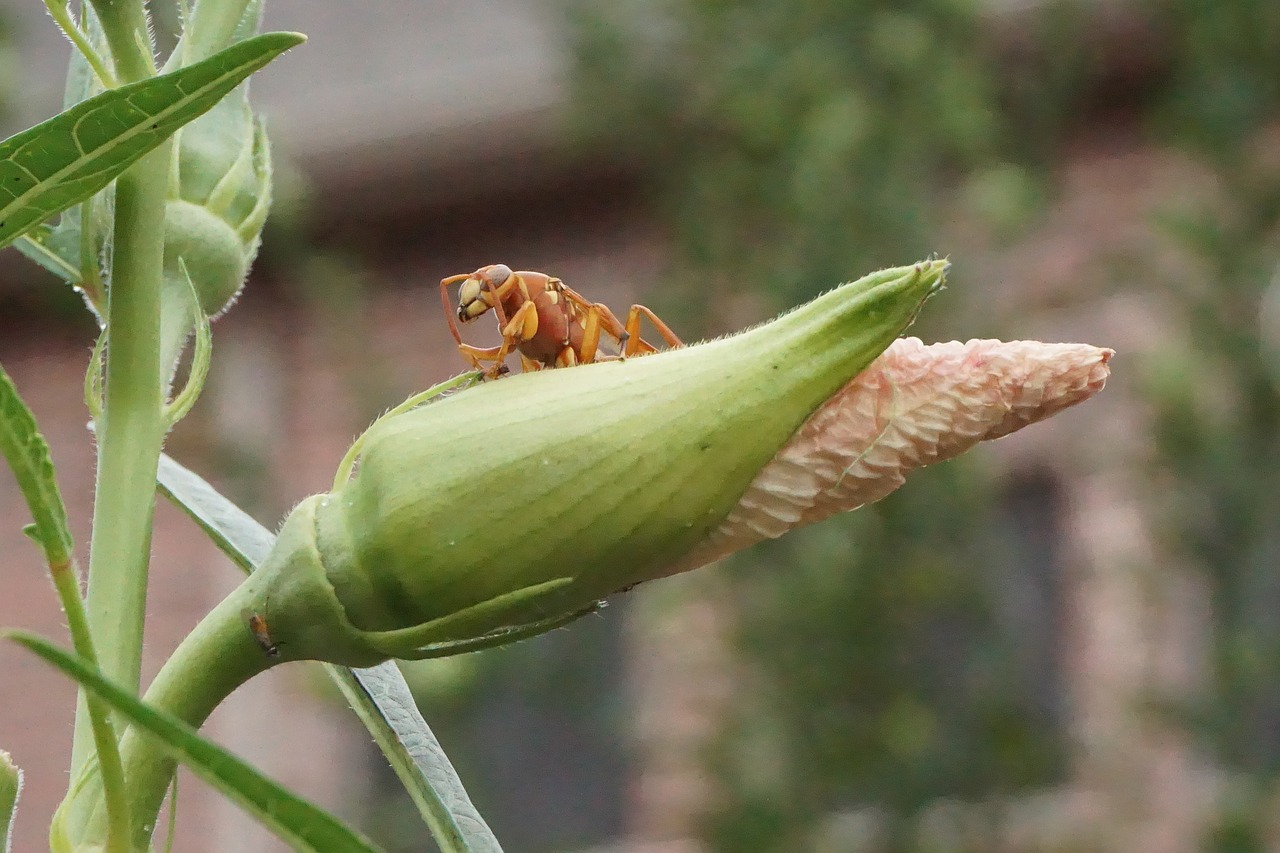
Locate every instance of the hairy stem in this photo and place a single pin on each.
(130, 434)
(124, 23)
(218, 656)
(119, 834)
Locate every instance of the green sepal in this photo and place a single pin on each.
(493, 639)
(307, 621)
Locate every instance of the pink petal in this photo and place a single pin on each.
(915, 405)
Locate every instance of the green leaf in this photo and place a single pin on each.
(28, 455)
(57, 249)
(10, 788)
(384, 703)
(379, 694)
(71, 156)
(298, 822)
(232, 529)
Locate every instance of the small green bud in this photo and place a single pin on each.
(219, 197)
(530, 498)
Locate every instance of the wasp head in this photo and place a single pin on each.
(478, 292)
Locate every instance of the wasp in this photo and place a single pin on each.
(547, 323)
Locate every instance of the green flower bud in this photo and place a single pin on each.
(219, 198)
(526, 500)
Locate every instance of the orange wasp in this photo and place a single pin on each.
(547, 323)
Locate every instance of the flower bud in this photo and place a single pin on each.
(914, 406)
(532, 497)
(214, 216)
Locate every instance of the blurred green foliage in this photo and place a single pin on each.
(796, 145)
(884, 672)
(906, 653)
(1216, 393)
(802, 144)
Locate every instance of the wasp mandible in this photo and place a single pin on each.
(543, 320)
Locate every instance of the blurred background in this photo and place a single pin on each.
(1066, 641)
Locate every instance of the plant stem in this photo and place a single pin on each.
(104, 734)
(62, 17)
(124, 23)
(218, 656)
(130, 433)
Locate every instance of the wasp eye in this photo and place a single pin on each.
(496, 274)
(470, 300)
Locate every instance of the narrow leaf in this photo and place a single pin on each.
(298, 822)
(68, 158)
(55, 249)
(384, 703)
(10, 788)
(28, 456)
(232, 529)
(378, 695)
(25, 449)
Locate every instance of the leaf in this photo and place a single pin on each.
(28, 455)
(232, 529)
(68, 158)
(378, 695)
(57, 249)
(301, 824)
(384, 703)
(10, 788)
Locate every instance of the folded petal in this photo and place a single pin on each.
(913, 406)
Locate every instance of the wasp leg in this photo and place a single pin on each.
(527, 364)
(523, 325)
(449, 309)
(590, 336)
(605, 321)
(476, 355)
(568, 358)
(634, 343)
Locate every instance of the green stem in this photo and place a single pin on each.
(218, 656)
(130, 433)
(124, 23)
(10, 788)
(61, 15)
(104, 735)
